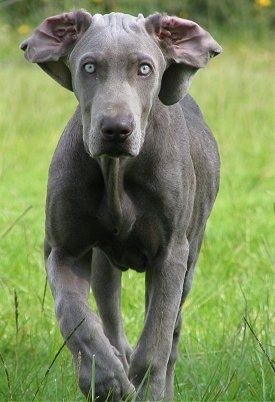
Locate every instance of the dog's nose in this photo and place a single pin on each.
(116, 128)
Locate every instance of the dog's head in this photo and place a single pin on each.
(117, 65)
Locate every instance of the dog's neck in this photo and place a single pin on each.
(113, 180)
(119, 206)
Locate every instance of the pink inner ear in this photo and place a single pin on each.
(55, 37)
(60, 32)
(181, 29)
(61, 25)
(186, 42)
(177, 22)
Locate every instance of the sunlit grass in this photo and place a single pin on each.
(220, 359)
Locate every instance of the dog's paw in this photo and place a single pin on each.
(104, 378)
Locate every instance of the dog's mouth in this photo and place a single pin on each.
(115, 151)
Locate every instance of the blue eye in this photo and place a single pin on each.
(144, 69)
(89, 68)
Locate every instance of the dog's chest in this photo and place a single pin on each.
(134, 239)
(135, 250)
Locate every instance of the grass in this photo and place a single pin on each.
(227, 345)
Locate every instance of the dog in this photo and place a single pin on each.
(131, 185)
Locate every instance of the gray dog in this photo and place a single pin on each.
(131, 184)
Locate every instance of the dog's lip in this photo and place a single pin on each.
(114, 150)
(114, 154)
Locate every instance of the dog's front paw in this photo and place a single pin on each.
(104, 378)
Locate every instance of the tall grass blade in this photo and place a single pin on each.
(16, 312)
(44, 294)
(15, 222)
(260, 345)
(91, 396)
(7, 376)
(55, 357)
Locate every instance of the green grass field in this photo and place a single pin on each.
(228, 339)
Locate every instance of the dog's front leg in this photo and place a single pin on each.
(164, 283)
(70, 283)
(106, 285)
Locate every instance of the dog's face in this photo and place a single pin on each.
(117, 65)
(116, 70)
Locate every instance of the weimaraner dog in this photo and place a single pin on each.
(131, 184)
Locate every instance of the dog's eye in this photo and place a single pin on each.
(144, 69)
(89, 68)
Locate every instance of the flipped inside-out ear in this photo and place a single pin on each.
(186, 47)
(52, 42)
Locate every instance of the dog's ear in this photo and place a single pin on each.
(186, 47)
(52, 42)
